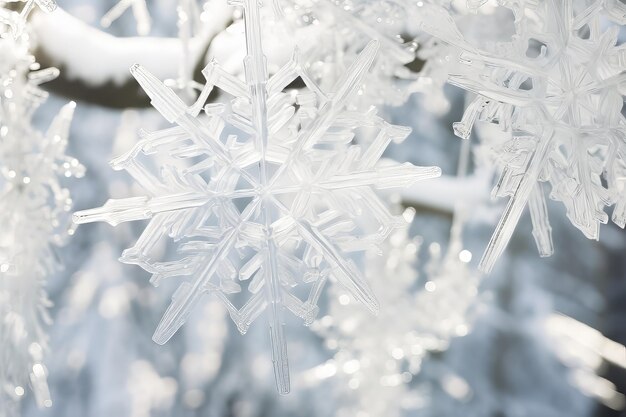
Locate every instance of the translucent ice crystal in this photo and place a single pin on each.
(34, 210)
(557, 88)
(275, 199)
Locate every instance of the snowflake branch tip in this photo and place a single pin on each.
(162, 97)
(115, 212)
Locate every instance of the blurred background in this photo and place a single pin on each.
(535, 339)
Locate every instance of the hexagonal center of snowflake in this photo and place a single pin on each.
(571, 93)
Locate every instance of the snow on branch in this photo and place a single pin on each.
(97, 58)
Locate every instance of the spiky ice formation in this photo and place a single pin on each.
(277, 199)
(557, 88)
(34, 210)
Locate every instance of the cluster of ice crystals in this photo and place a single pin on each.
(34, 209)
(377, 358)
(557, 88)
(276, 198)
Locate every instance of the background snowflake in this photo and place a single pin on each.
(34, 210)
(556, 87)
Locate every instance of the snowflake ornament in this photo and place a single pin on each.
(558, 89)
(275, 197)
(34, 210)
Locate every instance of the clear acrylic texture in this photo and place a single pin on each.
(278, 199)
(557, 89)
(34, 209)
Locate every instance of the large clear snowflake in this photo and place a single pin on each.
(557, 88)
(34, 210)
(275, 199)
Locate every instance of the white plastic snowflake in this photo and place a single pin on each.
(34, 210)
(557, 87)
(278, 198)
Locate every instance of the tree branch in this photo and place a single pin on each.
(94, 65)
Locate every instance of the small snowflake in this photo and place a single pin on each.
(276, 196)
(375, 356)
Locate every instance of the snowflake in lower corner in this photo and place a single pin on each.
(267, 193)
(375, 358)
